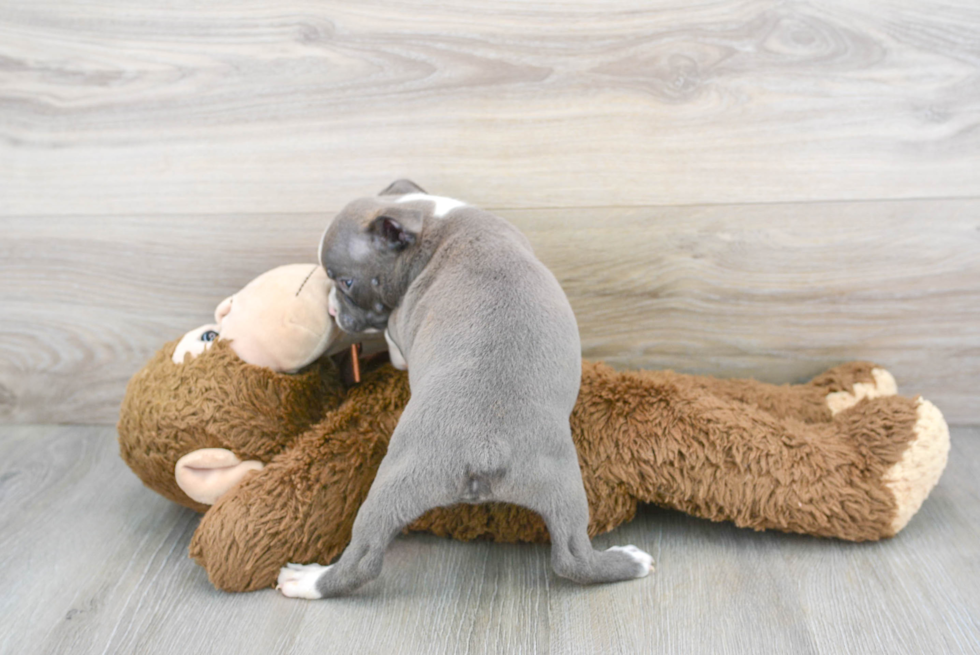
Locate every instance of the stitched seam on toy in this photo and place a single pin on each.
(305, 280)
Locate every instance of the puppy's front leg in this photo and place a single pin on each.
(397, 497)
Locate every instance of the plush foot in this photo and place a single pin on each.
(913, 477)
(644, 561)
(900, 449)
(299, 580)
(883, 384)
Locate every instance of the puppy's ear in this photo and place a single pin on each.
(401, 188)
(390, 233)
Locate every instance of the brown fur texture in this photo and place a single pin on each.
(217, 401)
(759, 455)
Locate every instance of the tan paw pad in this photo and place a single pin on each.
(913, 477)
(883, 385)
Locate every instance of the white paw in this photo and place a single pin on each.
(299, 580)
(643, 559)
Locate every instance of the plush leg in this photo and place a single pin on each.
(704, 454)
(906, 444)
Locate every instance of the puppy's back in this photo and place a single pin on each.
(491, 317)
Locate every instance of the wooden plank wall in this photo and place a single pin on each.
(746, 188)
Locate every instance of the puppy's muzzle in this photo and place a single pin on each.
(353, 318)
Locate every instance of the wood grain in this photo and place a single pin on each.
(251, 106)
(775, 292)
(91, 562)
(778, 292)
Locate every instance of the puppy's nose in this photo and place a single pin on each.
(332, 310)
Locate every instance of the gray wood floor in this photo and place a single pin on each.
(92, 562)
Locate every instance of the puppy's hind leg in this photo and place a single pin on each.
(401, 493)
(557, 494)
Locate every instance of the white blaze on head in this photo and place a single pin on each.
(360, 250)
(442, 204)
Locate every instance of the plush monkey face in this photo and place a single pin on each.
(280, 320)
(226, 398)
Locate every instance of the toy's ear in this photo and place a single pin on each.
(223, 309)
(206, 474)
(395, 230)
(401, 187)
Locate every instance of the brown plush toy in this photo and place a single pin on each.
(288, 458)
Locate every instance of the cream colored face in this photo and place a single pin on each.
(280, 320)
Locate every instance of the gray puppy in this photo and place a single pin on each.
(494, 364)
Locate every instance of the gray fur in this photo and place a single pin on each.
(494, 365)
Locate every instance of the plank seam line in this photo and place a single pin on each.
(777, 203)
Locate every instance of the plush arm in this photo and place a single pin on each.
(302, 505)
(293, 510)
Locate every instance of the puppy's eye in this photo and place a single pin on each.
(209, 335)
(346, 282)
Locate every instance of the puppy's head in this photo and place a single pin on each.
(360, 251)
